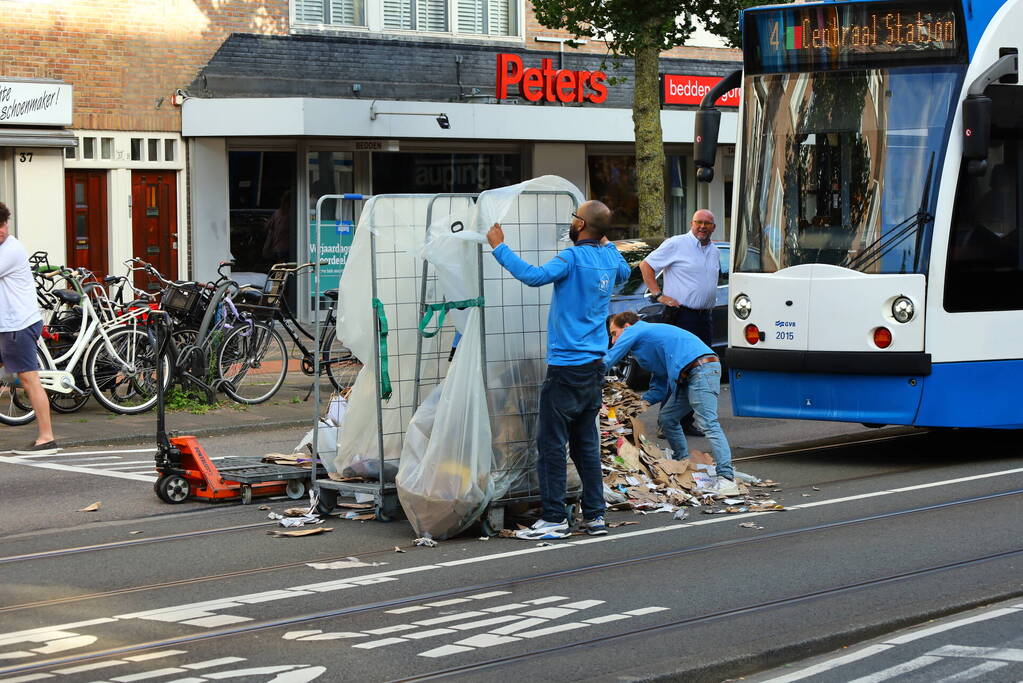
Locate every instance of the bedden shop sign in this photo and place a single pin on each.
(35, 103)
(547, 83)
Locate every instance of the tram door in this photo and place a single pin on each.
(85, 199)
(155, 222)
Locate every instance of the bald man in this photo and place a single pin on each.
(691, 268)
(584, 276)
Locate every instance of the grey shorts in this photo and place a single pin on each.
(18, 349)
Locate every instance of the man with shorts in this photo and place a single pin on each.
(20, 326)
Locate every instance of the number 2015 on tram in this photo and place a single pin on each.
(877, 271)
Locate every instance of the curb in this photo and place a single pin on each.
(205, 431)
(750, 664)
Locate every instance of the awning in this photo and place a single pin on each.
(25, 137)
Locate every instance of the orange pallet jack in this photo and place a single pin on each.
(186, 471)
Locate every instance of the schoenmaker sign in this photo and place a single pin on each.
(36, 103)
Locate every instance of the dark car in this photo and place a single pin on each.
(631, 296)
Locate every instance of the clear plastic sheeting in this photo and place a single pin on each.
(444, 475)
(473, 438)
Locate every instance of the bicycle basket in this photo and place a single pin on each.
(255, 303)
(180, 300)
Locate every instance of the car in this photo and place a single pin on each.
(631, 296)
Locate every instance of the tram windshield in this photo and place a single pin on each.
(841, 167)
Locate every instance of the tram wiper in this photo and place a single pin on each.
(897, 234)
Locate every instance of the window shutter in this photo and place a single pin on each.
(470, 16)
(347, 12)
(398, 14)
(432, 15)
(309, 11)
(501, 17)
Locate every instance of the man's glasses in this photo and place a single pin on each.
(575, 215)
(701, 224)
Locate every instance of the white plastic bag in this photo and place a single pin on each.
(444, 475)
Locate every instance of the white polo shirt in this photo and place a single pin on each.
(18, 308)
(690, 270)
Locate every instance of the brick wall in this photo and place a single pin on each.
(123, 56)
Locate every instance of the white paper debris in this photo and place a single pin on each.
(425, 542)
(347, 563)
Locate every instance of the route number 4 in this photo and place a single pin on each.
(25, 157)
(775, 38)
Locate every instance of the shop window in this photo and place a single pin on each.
(136, 149)
(88, 148)
(985, 261)
(613, 181)
(262, 210)
(336, 12)
(154, 149)
(330, 173)
(396, 172)
(170, 150)
(106, 149)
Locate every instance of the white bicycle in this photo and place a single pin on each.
(114, 353)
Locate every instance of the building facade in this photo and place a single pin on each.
(196, 125)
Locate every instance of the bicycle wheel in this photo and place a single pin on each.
(127, 387)
(337, 359)
(15, 408)
(252, 362)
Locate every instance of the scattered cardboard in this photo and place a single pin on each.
(92, 508)
(629, 456)
(300, 532)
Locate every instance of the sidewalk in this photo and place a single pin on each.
(94, 425)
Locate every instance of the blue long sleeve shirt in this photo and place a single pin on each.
(584, 277)
(660, 349)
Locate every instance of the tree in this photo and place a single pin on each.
(642, 29)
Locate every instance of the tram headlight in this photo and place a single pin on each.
(903, 309)
(742, 306)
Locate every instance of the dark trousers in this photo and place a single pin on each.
(690, 320)
(569, 404)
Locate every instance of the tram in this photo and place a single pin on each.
(877, 272)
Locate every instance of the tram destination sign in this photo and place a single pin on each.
(852, 35)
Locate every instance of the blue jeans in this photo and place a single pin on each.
(569, 403)
(698, 393)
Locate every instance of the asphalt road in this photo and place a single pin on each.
(879, 536)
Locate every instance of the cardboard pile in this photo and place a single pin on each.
(642, 477)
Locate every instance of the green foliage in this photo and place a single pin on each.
(189, 401)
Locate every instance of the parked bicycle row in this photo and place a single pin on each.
(99, 342)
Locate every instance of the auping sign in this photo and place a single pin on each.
(35, 103)
(691, 89)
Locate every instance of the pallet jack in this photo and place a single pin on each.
(186, 471)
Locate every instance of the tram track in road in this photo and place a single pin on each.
(241, 630)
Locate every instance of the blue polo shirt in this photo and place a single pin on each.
(583, 277)
(660, 349)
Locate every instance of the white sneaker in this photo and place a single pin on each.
(544, 531)
(722, 488)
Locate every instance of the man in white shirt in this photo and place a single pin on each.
(20, 327)
(691, 269)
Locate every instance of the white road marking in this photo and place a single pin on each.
(520, 625)
(27, 677)
(210, 663)
(89, 667)
(99, 459)
(445, 651)
(68, 454)
(445, 603)
(216, 620)
(607, 618)
(1005, 654)
(898, 670)
(18, 460)
(450, 617)
(369, 579)
(948, 626)
(973, 672)
(548, 599)
(486, 640)
(373, 644)
(571, 626)
(830, 664)
(491, 594)
(406, 610)
(429, 634)
(485, 622)
(506, 608)
(146, 675)
(390, 629)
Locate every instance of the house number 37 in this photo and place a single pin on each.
(25, 157)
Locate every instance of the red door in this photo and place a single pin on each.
(154, 218)
(85, 198)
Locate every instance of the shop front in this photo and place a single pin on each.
(33, 117)
(260, 163)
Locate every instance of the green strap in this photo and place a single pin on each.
(443, 308)
(385, 375)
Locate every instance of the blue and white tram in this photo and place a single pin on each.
(877, 267)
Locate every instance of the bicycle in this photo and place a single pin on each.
(116, 355)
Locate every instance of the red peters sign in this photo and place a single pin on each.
(691, 89)
(548, 83)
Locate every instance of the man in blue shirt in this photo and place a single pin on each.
(685, 371)
(584, 276)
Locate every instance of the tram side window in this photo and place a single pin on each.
(985, 261)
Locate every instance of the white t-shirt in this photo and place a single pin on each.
(18, 307)
(690, 270)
